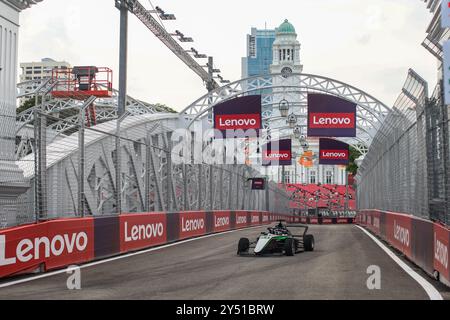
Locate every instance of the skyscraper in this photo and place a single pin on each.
(259, 53)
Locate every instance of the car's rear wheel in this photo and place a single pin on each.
(243, 246)
(289, 247)
(309, 242)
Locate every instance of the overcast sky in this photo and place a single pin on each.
(370, 44)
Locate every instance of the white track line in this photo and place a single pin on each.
(91, 264)
(431, 291)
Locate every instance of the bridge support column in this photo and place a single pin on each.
(12, 181)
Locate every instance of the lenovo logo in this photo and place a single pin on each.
(143, 232)
(238, 122)
(255, 219)
(440, 252)
(334, 154)
(332, 120)
(277, 155)
(30, 249)
(221, 222)
(241, 220)
(192, 224)
(401, 234)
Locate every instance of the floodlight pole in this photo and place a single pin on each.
(123, 7)
(210, 88)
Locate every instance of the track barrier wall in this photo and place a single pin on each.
(58, 243)
(423, 242)
(55, 244)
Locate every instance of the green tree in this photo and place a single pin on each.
(28, 104)
(354, 155)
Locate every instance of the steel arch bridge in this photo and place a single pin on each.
(295, 88)
(149, 183)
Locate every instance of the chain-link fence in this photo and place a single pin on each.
(83, 174)
(393, 175)
(407, 167)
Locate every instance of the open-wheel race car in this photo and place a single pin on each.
(279, 239)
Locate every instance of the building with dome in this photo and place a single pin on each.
(286, 50)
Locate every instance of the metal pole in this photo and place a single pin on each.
(237, 187)
(185, 188)
(220, 189)
(169, 174)
(147, 171)
(123, 58)
(81, 162)
(41, 160)
(200, 186)
(211, 187)
(118, 170)
(36, 160)
(210, 88)
(346, 193)
(267, 191)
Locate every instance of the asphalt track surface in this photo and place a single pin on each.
(209, 268)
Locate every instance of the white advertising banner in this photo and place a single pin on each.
(447, 72)
(445, 14)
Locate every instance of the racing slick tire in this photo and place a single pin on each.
(243, 246)
(309, 242)
(289, 247)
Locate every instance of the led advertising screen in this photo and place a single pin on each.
(330, 116)
(242, 113)
(333, 152)
(277, 153)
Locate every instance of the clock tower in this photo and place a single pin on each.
(286, 50)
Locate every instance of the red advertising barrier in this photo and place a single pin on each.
(425, 243)
(138, 231)
(71, 242)
(51, 244)
(192, 224)
(222, 221)
(440, 250)
(399, 232)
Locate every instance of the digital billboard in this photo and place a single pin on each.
(242, 113)
(277, 153)
(330, 116)
(333, 152)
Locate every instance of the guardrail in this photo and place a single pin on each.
(423, 242)
(58, 243)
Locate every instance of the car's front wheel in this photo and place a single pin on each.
(243, 246)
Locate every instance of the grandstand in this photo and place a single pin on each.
(323, 200)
